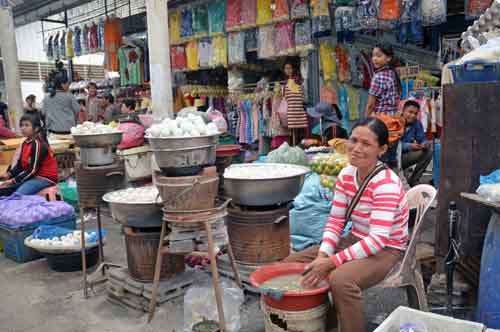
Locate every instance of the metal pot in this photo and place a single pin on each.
(262, 192)
(101, 156)
(134, 214)
(98, 140)
(184, 152)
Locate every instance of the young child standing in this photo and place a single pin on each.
(384, 98)
(36, 168)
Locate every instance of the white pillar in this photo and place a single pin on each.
(159, 58)
(10, 65)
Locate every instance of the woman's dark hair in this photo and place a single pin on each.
(130, 103)
(30, 97)
(91, 84)
(377, 126)
(389, 51)
(296, 74)
(411, 103)
(35, 119)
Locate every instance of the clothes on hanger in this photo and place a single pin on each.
(70, 51)
(130, 65)
(112, 42)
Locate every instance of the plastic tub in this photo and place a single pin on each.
(312, 320)
(291, 300)
(476, 71)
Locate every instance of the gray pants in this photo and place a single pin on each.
(421, 159)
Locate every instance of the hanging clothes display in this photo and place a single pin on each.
(363, 100)
(70, 51)
(321, 21)
(130, 66)
(248, 14)
(281, 11)
(233, 14)
(266, 42)
(112, 42)
(55, 46)
(186, 23)
(174, 23)
(328, 63)
(353, 95)
(389, 10)
(178, 57)
(299, 9)
(219, 51)
(204, 52)
(192, 55)
(85, 40)
(329, 95)
(294, 95)
(217, 17)
(264, 12)
(344, 106)
(303, 36)
(77, 41)
(343, 68)
(344, 24)
(93, 38)
(62, 45)
(251, 42)
(285, 41)
(100, 35)
(200, 21)
(433, 12)
(474, 8)
(236, 48)
(367, 15)
(49, 48)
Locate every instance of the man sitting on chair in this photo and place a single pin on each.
(416, 149)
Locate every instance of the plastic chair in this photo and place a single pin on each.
(407, 274)
(52, 193)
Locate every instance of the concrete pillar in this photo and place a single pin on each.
(159, 58)
(10, 65)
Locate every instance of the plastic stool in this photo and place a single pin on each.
(52, 193)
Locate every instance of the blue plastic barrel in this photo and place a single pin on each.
(488, 308)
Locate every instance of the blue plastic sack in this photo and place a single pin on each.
(44, 232)
(491, 178)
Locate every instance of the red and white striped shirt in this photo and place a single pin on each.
(380, 218)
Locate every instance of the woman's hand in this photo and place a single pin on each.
(5, 176)
(6, 184)
(320, 268)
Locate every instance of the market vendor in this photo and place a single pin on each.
(416, 149)
(130, 125)
(379, 227)
(36, 169)
(110, 110)
(330, 117)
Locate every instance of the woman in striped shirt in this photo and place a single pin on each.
(379, 228)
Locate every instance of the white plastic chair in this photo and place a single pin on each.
(406, 274)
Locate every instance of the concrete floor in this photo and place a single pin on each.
(33, 298)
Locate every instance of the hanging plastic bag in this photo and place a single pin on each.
(327, 58)
(286, 154)
(264, 12)
(233, 14)
(192, 55)
(217, 17)
(299, 9)
(236, 47)
(248, 14)
(217, 118)
(390, 10)
(491, 178)
(433, 12)
(303, 34)
(174, 22)
(285, 38)
(281, 11)
(200, 305)
(186, 23)
(266, 43)
(204, 52)
(200, 21)
(219, 51)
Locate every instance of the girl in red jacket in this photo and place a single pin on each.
(36, 168)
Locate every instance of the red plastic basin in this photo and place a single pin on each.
(228, 150)
(291, 300)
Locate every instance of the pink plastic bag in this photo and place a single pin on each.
(133, 135)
